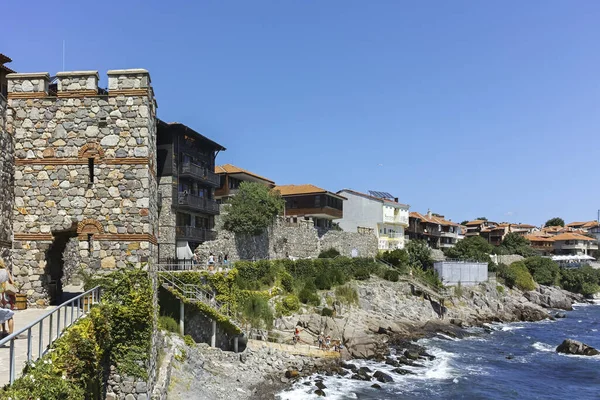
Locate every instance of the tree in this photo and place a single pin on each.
(517, 275)
(556, 221)
(472, 248)
(482, 218)
(513, 243)
(419, 254)
(544, 270)
(252, 209)
(465, 222)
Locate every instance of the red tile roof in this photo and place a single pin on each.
(232, 169)
(433, 219)
(295, 190)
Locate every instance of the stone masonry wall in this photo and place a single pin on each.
(284, 239)
(6, 185)
(166, 219)
(113, 213)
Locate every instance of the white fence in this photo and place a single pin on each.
(468, 273)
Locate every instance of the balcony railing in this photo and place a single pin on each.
(198, 203)
(202, 173)
(399, 219)
(193, 233)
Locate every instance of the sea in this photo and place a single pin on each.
(504, 361)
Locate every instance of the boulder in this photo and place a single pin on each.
(560, 315)
(291, 373)
(411, 355)
(570, 346)
(320, 393)
(382, 377)
(376, 386)
(402, 371)
(320, 385)
(349, 366)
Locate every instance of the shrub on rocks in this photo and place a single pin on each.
(517, 275)
(288, 305)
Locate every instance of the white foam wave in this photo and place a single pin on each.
(543, 346)
(511, 328)
(447, 337)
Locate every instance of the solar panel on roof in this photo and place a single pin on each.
(381, 195)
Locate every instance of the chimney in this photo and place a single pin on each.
(396, 199)
(429, 214)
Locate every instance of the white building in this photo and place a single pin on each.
(377, 212)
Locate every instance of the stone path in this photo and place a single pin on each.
(22, 319)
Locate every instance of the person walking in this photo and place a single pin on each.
(7, 301)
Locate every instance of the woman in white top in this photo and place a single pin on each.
(6, 302)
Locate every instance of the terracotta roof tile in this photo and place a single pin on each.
(232, 169)
(434, 219)
(293, 190)
(571, 236)
(475, 222)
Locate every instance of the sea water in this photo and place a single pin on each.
(505, 361)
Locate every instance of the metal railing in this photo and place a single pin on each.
(194, 293)
(202, 173)
(79, 308)
(198, 202)
(192, 232)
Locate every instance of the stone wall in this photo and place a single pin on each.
(85, 167)
(283, 239)
(506, 259)
(6, 185)
(199, 327)
(166, 219)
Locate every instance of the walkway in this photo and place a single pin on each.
(22, 319)
(298, 350)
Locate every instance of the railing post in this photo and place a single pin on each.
(181, 317)
(213, 338)
(12, 361)
(28, 344)
(72, 310)
(65, 319)
(58, 323)
(41, 339)
(50, 330)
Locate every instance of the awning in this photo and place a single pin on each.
(183, 250)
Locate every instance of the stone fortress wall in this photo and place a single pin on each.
(85, 167)
(298, 239)
(6, 186)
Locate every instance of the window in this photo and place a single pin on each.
(91, 172)
(317, 201)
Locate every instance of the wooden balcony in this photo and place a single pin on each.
(197, 203)
(205, 175)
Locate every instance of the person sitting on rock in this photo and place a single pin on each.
(321, 339)
(297, 335)
(328, 342)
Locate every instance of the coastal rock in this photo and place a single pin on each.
(320, 385)
(376, 386)
(560, 315)
(319, 392)
(550, 297)
(382, 377)
(402, 371)
(570, 346)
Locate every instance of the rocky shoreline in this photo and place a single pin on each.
(387, 315)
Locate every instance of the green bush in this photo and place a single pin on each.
(392, 276)
(346, 294)
(500, 289)
(257, 313)
(517, 275)
(458, 290)
(168, 324)
(287, 305)
(308, 294)
(544, 270)
(287, 281)
(361, 274)
(398, 258)
(584, 280)
(323, 281)
(329, 253)
(326, 312)
(189, 341)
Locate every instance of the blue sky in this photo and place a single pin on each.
(467, 108)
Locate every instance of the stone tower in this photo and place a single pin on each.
(6, 185)
(85, 170)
